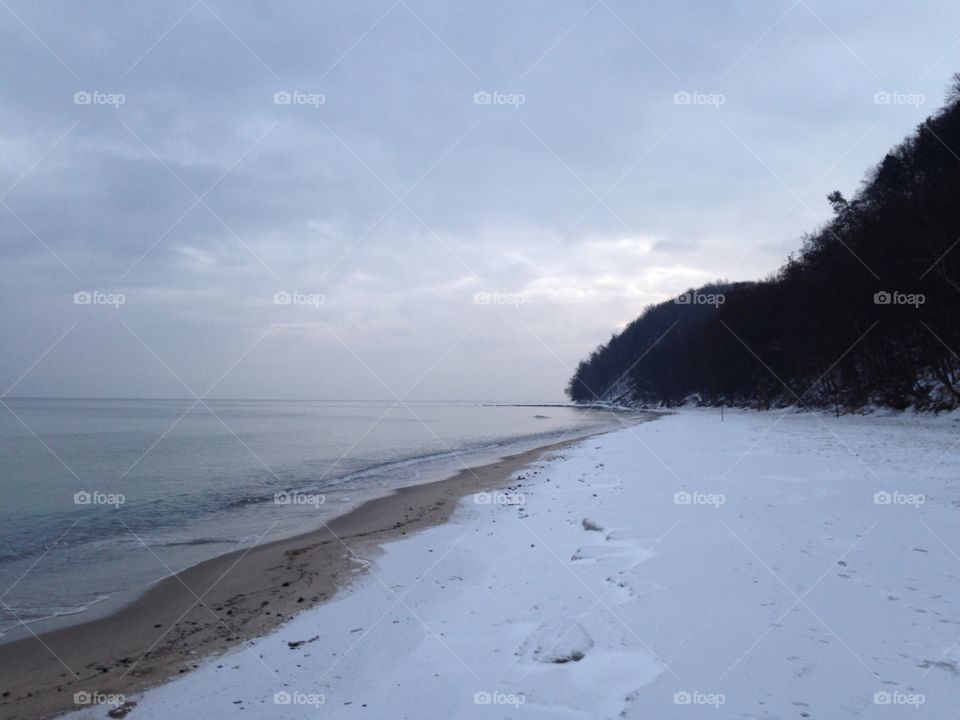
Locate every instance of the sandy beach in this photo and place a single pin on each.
(768, 565)
(224, 601)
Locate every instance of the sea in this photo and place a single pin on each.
(101, 498)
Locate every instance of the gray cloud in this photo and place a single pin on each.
(585, 189)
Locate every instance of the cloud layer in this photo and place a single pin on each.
(473, 195)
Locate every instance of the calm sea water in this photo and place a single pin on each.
(102, 497)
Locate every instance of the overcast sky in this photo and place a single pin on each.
(386, 165)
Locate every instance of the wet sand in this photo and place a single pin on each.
(224, 601)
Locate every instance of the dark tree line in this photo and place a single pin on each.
(868, 311)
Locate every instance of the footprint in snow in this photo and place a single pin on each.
(627, 588)
(616, 546)
(556, 642)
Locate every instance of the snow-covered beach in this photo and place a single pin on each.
(773, 565)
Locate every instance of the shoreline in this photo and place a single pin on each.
(346, 494)
(637, 572)
(219, 603)
(94, 569)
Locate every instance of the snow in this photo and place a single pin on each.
(774, 565)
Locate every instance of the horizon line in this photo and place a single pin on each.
(399, 403)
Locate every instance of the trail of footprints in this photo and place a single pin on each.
(595, 640)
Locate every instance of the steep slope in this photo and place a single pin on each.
(866, 312)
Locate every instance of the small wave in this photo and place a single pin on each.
(16, 617)
(171, 518)
(197, 541)
(246, 500)
(385, 467)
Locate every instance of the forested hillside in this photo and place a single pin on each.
(866, 312)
